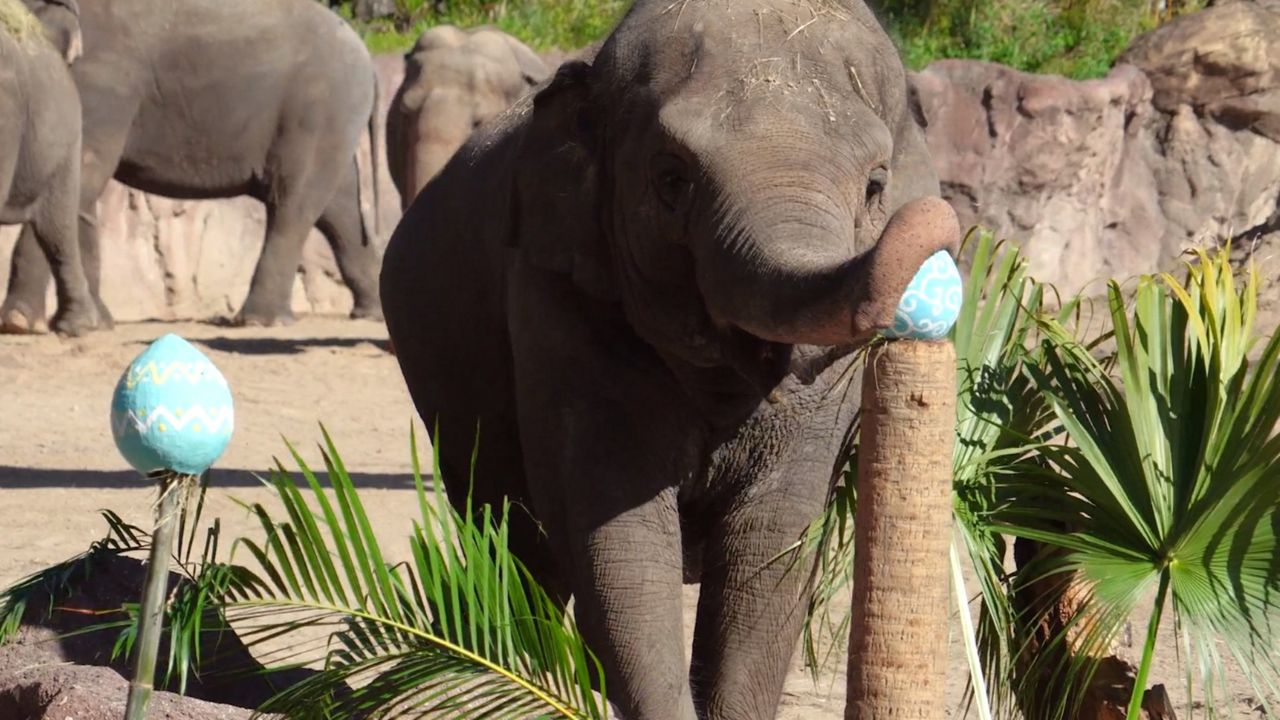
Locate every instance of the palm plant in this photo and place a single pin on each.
(1171, 482)
(1002, 422)
(1163, 479)
(460, 630)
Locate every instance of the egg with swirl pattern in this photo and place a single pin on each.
(172, 409)
(930, 305)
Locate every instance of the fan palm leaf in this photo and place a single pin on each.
(1171, 483)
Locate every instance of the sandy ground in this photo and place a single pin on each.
(59, 466)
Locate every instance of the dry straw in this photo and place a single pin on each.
(17, 21)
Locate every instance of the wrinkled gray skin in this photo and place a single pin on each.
(643, 283)
(40, 165)
(195, 100)
(454, 80)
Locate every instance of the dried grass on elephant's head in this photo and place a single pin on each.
(17, 22)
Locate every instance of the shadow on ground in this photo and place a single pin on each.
(284, 346)
(31, 478)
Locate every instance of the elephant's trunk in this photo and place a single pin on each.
(801, 281)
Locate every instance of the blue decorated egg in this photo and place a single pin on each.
(929, 307)
(172, 409)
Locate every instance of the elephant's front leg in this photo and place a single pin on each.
(607, 439)
(754, 594)
(627, 577)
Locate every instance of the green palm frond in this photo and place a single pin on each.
(1171, 482)
(193, 610)
(61, 578)
(830, 539)
(461, 627)
(1001, 420)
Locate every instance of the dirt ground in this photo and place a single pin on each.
(59, 466)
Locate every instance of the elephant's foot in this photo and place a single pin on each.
(17, 321)
(369, 311)
(76, 322)
(248, 317)
(104, 320)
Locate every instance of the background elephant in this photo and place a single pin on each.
(192, 99)
(40, 155)
(642, 286)
(454, 80)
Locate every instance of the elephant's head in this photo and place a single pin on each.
(730, 170)
(454, 81)
(61, 21)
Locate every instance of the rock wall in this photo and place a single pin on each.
(1179, 144)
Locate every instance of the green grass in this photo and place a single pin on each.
(16, 21)
(540, 24)
(1074, 38)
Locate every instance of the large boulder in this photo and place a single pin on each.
(1116, 176)
(1224, 62)
(1040, 160)
(182, 259)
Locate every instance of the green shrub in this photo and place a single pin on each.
(1074, 38)
(541, 24)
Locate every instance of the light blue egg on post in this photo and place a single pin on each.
(931, 304)
(172, 409)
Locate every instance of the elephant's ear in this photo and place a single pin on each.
(557, 198)
(532, 69)
(912, 172)
(61, 19)
(914, 107)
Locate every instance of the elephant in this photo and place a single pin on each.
(638, 296)
(454, 80)
(198, 100)
(40, 155)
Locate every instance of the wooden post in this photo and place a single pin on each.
(897, 640)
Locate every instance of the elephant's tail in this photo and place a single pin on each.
(370, 224)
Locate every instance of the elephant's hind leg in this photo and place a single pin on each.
(56, 228)
(358, 260)
(24, 300)
(302, 185)
(24, 309)
(101, 147)
(271, 289)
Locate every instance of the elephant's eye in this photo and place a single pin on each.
(876, 183)
(671, 180)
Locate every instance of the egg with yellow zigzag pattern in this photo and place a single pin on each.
(172, 409)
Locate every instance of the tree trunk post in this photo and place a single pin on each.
(897, 640)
